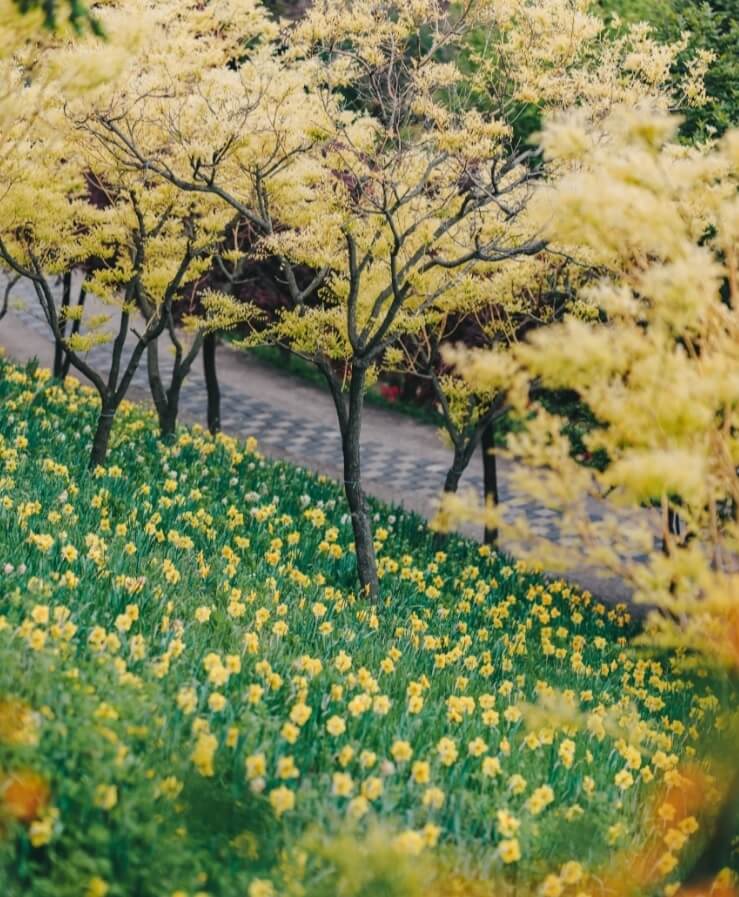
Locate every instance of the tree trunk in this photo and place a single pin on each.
(454, 474)
(168, 416)
(166, 413)
(490, 477)
(6, 295)
(451, 484)
(673, 528)
(168, 421)
(76, 324)
(356, 499)
(59, 353)
(213, 390)
(101, 440)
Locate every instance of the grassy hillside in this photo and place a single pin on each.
(193, 701)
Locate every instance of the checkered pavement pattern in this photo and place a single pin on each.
(316, 444)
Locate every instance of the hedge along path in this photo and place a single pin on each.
(404, 460)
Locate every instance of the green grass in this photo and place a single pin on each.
(200, 568)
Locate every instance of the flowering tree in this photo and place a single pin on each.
(533, 292)
(371, 171)
(39, 70)
(512, 300)
(147, 248)
(660, 375)
(141, 239)
(146, 239)
(443, 190)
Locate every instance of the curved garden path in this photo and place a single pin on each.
(404, 460)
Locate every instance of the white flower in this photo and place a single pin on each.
(8, 568)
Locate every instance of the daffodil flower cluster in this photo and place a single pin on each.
(189, 677)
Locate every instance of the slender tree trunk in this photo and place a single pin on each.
(76, 324)
(673, 522)
(356, 499)
(454, 474)
(59, 353)
(673, 528)
(451, 484)
(101, 440)
(490, 477)
(168, 414)
(158, 394)
(168, 421)
(6, 295)
(212, 389)
(166, 401)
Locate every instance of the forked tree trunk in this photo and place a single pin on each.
(168, 418)
(212, 389)
(356, 499)
(76, 324)
(463, 452)
(451, 484)
(59, 354)
(490, 477)
(101, 439)
(62, 361)
(167, 401)
(457, 468)
(158, 394)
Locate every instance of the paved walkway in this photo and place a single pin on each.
(404, 460)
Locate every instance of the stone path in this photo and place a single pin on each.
(404, 460)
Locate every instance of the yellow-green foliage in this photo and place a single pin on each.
(189, 685)
(661, 375)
